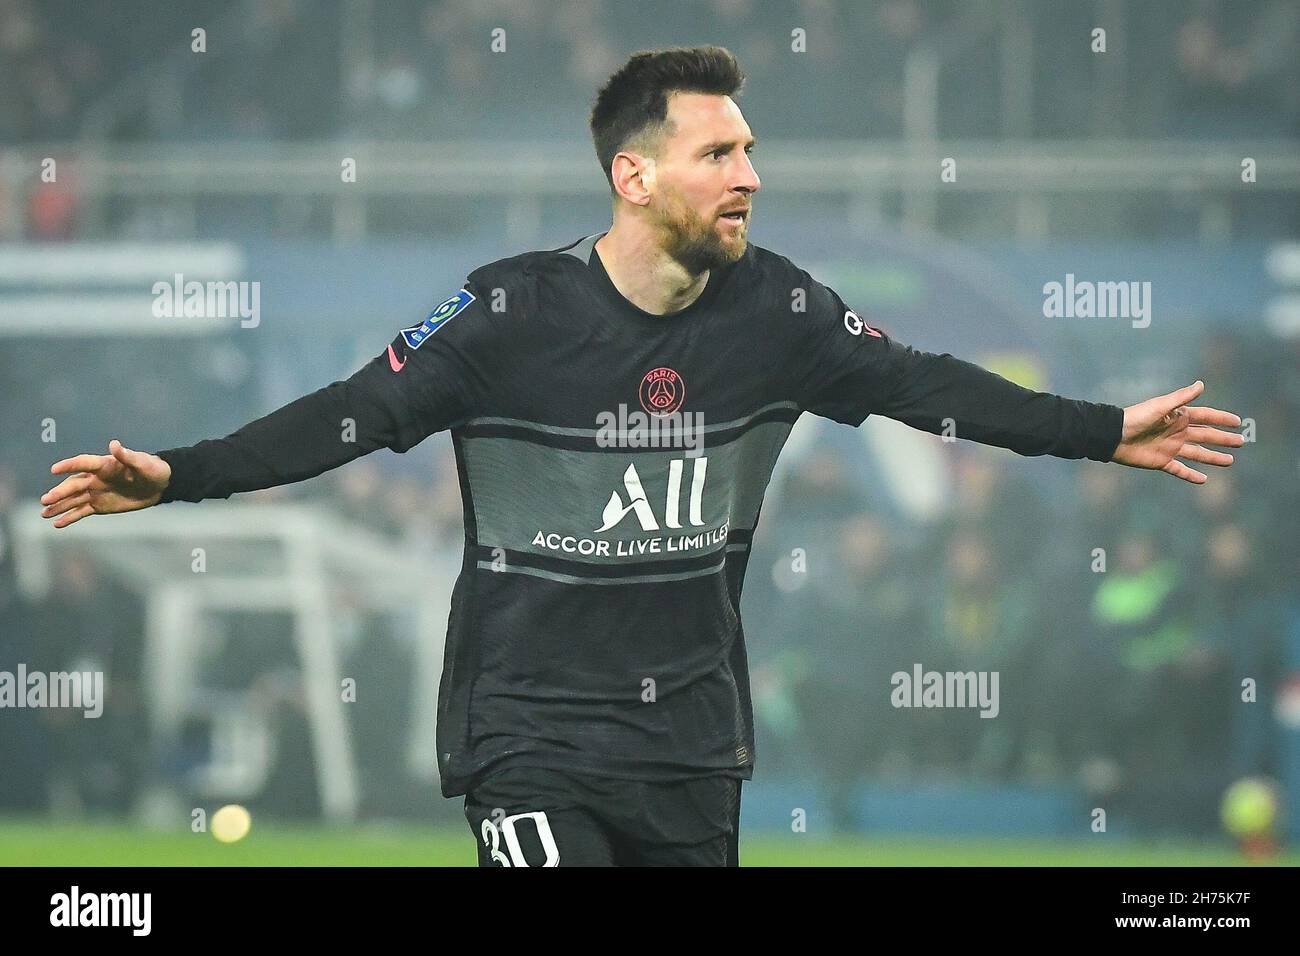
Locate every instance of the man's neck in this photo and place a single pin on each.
(645, 275)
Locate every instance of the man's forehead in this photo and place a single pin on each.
(705, 117)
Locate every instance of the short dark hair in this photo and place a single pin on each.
(633, 103)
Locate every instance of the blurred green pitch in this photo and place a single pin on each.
(24, 843)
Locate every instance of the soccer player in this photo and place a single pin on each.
(616, 407)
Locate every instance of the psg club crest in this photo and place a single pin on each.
(662, 392)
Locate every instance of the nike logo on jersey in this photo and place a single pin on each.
(392, 360)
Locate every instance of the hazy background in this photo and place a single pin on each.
(226, 630)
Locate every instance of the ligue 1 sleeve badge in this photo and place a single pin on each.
(662, 392)
(444, 313)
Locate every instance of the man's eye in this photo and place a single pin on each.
(718, 153)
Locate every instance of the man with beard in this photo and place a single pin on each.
(594, 706)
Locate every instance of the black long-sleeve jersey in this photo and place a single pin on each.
(612, 465)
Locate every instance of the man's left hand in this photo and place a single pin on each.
(1161, 430)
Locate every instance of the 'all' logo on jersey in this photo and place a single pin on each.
(639, 505)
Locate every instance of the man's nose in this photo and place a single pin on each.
(749, 181)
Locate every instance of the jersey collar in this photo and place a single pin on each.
(610, 292)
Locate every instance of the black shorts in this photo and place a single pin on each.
(529, 816)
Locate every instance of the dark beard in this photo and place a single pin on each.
(695, 246)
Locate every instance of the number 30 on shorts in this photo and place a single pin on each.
(492, 837)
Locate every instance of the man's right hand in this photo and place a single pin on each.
(122, 480)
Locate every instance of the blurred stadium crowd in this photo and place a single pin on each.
(1123, 677)
(1206, 69)
(285, 70)
(1122, 681)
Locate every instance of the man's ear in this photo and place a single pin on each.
(638, 186)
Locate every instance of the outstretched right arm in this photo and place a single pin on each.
(428, 379)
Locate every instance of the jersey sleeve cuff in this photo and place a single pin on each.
(1106, 428)
(175, 490)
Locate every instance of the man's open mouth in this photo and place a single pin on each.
(737, 216)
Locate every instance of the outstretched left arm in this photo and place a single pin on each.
(846, 370)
